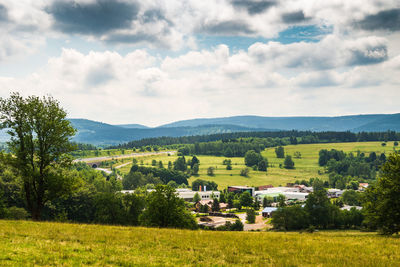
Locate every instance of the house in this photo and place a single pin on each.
(362, 186)
(267, 211)
(334, 193)
(209, 203)
(241, 189)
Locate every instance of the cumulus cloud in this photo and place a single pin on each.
(253, 6)
(384, 20)
(354, 64)
(294, 17)
(94, 18)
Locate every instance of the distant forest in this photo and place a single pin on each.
(291, 137)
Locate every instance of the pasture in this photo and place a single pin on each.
(306, 167)
(42, 243)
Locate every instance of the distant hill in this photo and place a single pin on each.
(102, 134)
(132, 126)
(98, 133)
(341, 123)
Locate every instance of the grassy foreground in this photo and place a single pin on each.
(31, 243)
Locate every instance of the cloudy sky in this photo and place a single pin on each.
(158, 61)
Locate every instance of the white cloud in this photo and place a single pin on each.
(268, 79)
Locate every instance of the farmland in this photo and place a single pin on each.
(306, 167)
(32, 243)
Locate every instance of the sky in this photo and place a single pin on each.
(154, 62)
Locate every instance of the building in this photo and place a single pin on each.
(209, 203)
(290, 193)
(188, 194)
(241, 189)
(267, 211)
(334, 193)
(265, 187)
(363, 186)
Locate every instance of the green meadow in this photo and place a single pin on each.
(306, 167)
(42, 244)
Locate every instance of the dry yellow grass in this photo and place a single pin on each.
(31, 243)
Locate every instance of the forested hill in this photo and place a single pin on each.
(98, 133)
(354, 123)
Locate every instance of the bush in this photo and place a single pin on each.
(251, 216)
(210, 171)
(15, 213)
(244, 172)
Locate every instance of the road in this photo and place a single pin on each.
(96, 159)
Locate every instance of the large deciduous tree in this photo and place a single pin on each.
(40, 139)
(382, 200)
(165, 209)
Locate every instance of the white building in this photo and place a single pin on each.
(186, 194)
(290, 193)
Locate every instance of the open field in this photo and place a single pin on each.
(305, 168)
(30, 243)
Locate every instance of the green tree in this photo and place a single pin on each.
(133, 205)
(263, 165)
(222, 198)
(39, 143)
(160, 165)
(196, 198)
(195, 169)
(194, 161)
(288, 163)
(351, 198)
(280, 152)
(297, 155)
(215, 205)
(229, 200)
(267, 201)
(244, 172)
(281, 199)
(172, 184)
(154, 162)
(210, 171)
(180, 164)
(245, 199)
(290, 218)
(229, 166)
(382, 200)
(250, 216)
(165, 209)
(318, 207)
(252, 158)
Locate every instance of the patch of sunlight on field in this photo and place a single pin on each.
(32, 243)
(305, 168)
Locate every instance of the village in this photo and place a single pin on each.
(265, 200)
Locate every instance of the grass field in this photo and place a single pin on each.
(305, 168)
(29, 243)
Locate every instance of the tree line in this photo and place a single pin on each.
(290, 137)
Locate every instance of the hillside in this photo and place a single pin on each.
(105, 134)
(374, 122)
(32, 243)
(306, 167)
